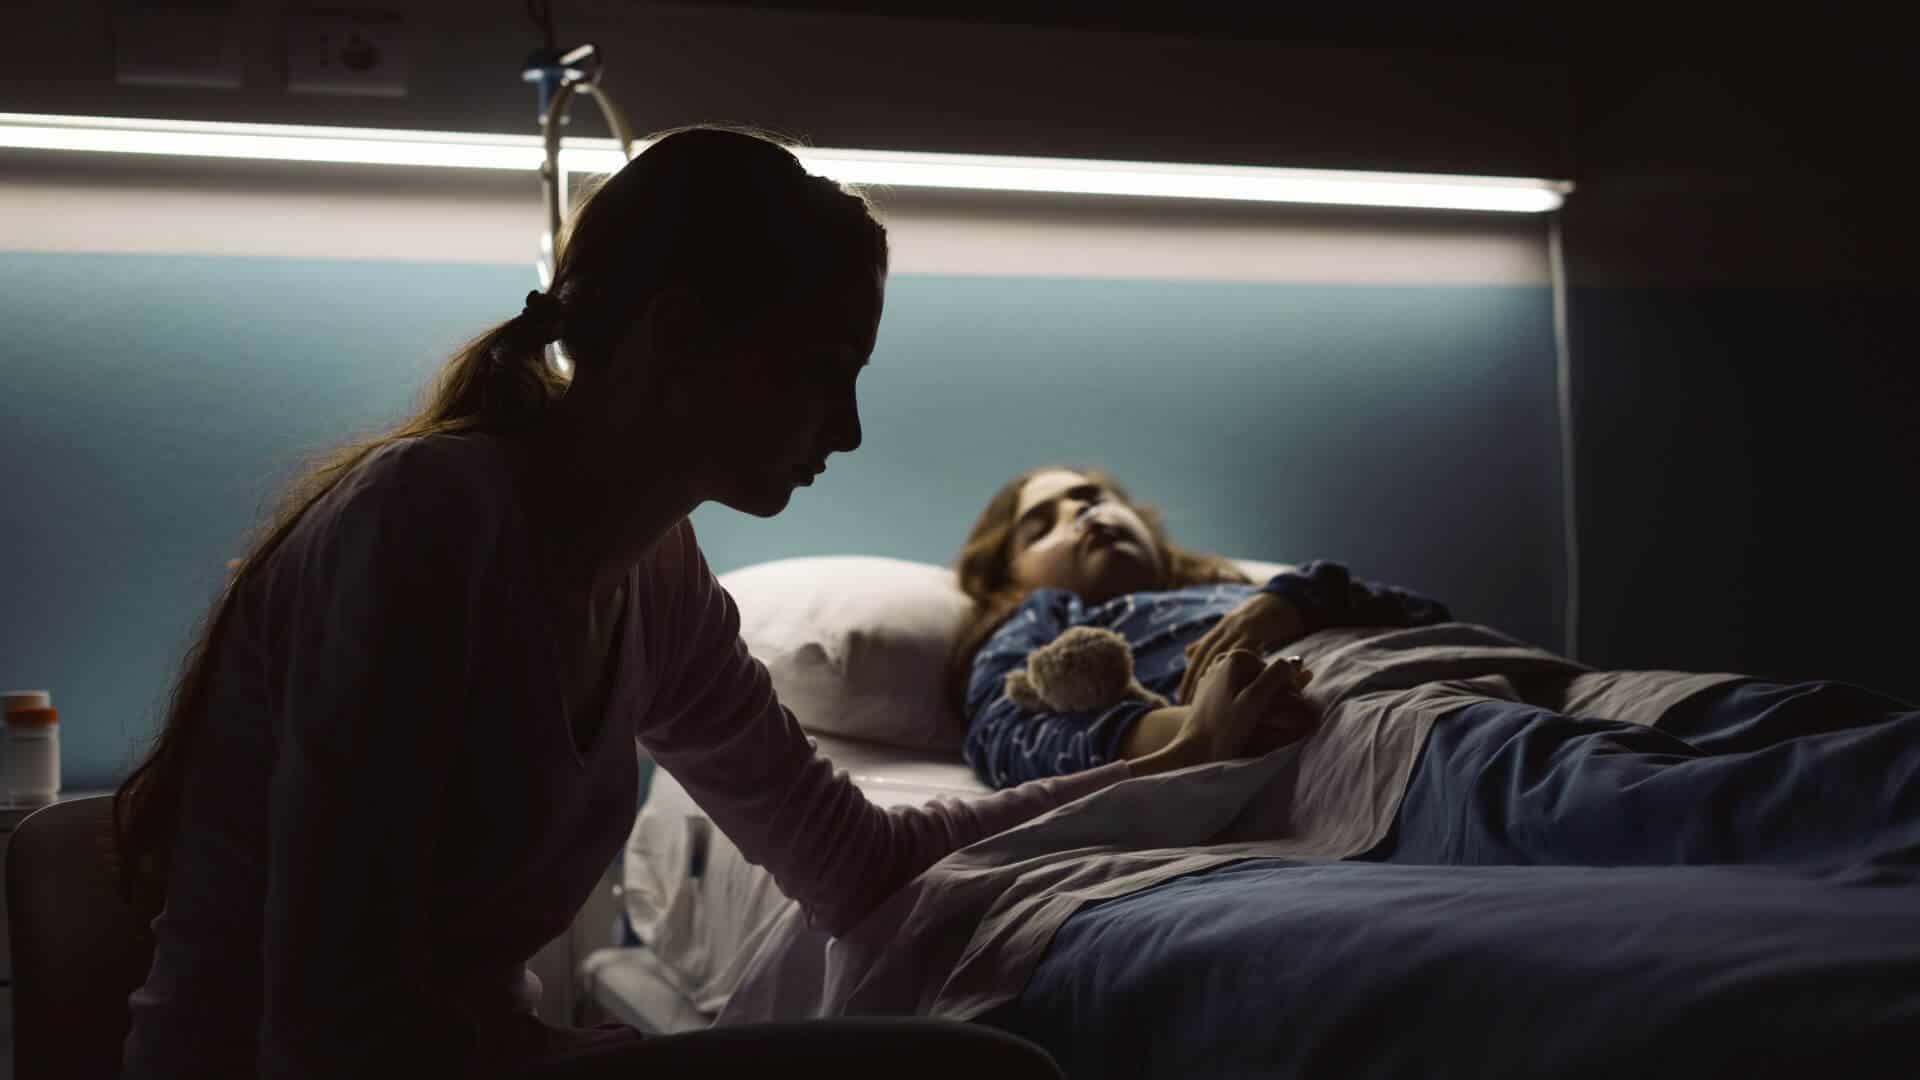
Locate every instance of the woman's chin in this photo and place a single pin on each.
(763, 500)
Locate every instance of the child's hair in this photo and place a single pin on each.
(728, 213)
(985, 569)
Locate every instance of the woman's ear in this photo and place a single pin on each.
(676, 332)
(677, 321)
(678, 326)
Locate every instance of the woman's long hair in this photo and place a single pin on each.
(729, 213)
(985, 569)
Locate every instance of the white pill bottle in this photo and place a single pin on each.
(32, 756)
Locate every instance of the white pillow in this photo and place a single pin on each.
(857, 644)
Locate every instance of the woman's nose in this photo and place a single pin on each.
(845, 435)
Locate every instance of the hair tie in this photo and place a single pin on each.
(541, 315)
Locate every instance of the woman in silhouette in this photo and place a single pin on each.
(401, 754)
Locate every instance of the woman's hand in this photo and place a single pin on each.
(1262, 623)
(1241, 707)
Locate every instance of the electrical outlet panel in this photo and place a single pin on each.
(346, 54)
(176, 49)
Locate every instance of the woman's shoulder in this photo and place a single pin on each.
(430, 493)
(427, 476)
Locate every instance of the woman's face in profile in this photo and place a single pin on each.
(1071, 532)
(782, 397)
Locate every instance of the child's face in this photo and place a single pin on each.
(1071, 532)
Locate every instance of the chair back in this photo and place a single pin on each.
(78, 949)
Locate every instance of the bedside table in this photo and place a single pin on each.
(11, 816)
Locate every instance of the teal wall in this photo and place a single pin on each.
(151, 405)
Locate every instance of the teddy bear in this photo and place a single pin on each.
(1087, 668)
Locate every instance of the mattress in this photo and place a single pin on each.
(700, 910)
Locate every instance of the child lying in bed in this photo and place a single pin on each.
(1556, 764)
(1057, 549)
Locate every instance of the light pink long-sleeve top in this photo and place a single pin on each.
(387, 813)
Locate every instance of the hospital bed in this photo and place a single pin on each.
(697, 910)
(1282, 967)
(856, 647)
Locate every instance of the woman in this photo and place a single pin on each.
(1557, 764)
(401, 754)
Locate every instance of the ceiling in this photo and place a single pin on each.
(1593, 35)
(1520, 32)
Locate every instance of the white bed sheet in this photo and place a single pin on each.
(702, 911)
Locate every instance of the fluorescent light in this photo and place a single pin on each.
(1072, 176)
(273, 142)
(1171, 181)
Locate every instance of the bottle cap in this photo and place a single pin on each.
(27, 699)
(32, 717)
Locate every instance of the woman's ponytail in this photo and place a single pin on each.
(503, 379)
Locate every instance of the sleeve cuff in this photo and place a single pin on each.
(1129, 714)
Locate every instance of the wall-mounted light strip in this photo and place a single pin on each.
(439, 149)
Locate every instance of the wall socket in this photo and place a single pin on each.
(177, 49)
(358, 53)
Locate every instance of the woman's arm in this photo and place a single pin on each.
(717, 727)
(380, 619)
(1007, 744)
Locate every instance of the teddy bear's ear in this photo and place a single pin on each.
(1135, 690)
(1022, 692)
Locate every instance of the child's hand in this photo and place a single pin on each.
(1262, 623)
(1292, 719)
(1245, 707)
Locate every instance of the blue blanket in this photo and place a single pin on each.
(1735, 892)
(1274, 968)
(1618, 874)
(1817, 773)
